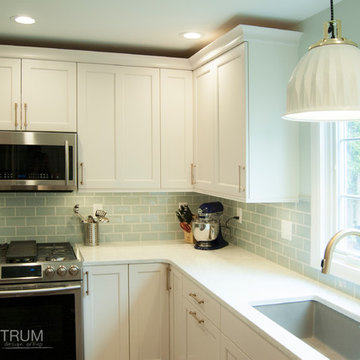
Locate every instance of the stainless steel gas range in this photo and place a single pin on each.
(40, 301)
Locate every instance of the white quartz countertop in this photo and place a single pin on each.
(238, 279)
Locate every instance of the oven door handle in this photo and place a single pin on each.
(37, 291)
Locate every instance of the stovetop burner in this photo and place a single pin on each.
(29, 252)
(55, 252)
(27, 261)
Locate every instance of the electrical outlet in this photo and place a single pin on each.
(286, 230)
(97, 207)
(182, 203)
(239, 214)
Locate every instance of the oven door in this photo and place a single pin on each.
(41, 321)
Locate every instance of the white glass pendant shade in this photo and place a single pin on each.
(325, 85)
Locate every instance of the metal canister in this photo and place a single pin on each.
(91, 234)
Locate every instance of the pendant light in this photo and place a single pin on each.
(325, 84)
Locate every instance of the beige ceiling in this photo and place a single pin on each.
(143, 26)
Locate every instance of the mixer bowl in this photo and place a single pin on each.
(205, 231)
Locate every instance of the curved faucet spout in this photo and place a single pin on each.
(330, 247)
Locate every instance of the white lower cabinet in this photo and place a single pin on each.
(229, 351)
(177, 320)
(106, 321)
(251, 343)
(149, 312)
(202, 336)
(126, 312)
(143, 312)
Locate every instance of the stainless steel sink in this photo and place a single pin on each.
(333, 334)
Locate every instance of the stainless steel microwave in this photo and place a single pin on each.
(38, 161)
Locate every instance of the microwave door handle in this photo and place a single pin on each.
(66, 163)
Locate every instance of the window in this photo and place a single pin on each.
(348, 180)
(336, 194)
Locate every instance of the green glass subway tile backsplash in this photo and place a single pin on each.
(143, 217)
(133, 216)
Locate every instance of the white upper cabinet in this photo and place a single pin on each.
(204, 116)
(139, 128)
(244, 150)
(97, 127)
(118, 127)
(230, 107)
(48, 95)
(9, 94)
(37, 95)
(176, 129)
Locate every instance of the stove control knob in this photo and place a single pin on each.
(49, 271)
(74, 270)
(61, 270)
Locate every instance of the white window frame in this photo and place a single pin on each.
(324, 202)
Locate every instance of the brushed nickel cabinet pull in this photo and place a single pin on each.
(82, 173)
(16, 115)
(25, 116)
(241, 188)
(192, 174)
(87, 283)
(193, 314)
(194, 296)
(168, 284)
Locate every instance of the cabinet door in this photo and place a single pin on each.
(98, 133)
(49, 95)
(204, 113)
(177, 318)
(231, 122)
(202, 337)
(139, 126)
(176, 129)
(9, 94)
(231, 352)
(149, 312)
(106, 331)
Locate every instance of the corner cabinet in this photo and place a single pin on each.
(118, 127)
(244, 150)
(37, 95)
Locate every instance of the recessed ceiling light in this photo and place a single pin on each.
(191, 35)
(25, 20)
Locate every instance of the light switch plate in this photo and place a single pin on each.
(286, 230)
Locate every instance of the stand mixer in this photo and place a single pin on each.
(207, 228)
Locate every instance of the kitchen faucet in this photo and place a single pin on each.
(330, 247)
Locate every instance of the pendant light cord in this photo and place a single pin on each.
(331, 27)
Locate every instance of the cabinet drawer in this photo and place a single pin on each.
(202, 300)
(251, 343)
(202, 336)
